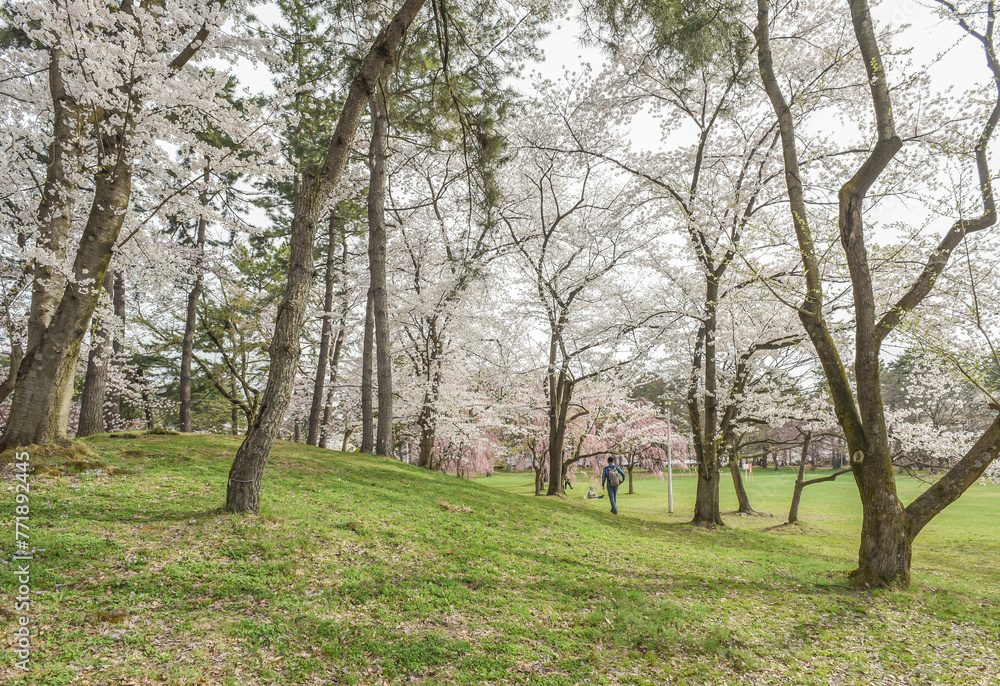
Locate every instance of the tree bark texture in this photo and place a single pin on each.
(377, 157)
(888, 529)
(742, 497)
(113, 403)
(39, 412)
(191, 320)
(367, 362)
(96, 382)
(246, 474)
(326, 337)
(793, 511)
(61, 309)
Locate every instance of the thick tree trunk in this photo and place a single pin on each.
(56, 212)
(367, 355)
(326, 336)
(243, 491)
(191, 321)
(707, 511)
(376, 266)
(39, 412)
(427, 437)
(631, 490)
(96, 382)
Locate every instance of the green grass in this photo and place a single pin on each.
(354, 574)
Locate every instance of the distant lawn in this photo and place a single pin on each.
(362, 570)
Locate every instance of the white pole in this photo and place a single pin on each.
(670, 469)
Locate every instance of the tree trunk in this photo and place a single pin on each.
(243, 491)
(376, 265)
(707, 512)
(16, 355)
(94, 387)
(327, 334)
(297, 430)
(191, 321)
(235, 410)
(338, 347)
(39, 412)
(57, 209)
(113, 404)
(741, 492)
(427, 437)
(793, 511)
(631, 491)
(334, 367)
(367, 353)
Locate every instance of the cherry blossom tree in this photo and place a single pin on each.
(889, 528)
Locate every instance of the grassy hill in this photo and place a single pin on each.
(362, 570)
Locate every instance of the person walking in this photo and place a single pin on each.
(613, 477)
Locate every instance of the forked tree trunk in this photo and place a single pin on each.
(39, 412)
(377, 268)
(888, 529)
(367, 355)
(96, 382)
(326, 337)
(243, 491)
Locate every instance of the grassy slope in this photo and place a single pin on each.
(353, 573)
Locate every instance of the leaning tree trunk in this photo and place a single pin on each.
(377, 268)
(326, 336)
(742, 497)
(243, 490)
(96, 383)
(793, 511)
(191, 321)
(367, 353)
(39, 412)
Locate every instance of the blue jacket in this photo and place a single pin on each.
(604, 474)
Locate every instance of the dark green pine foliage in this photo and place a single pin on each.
(687, 33)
